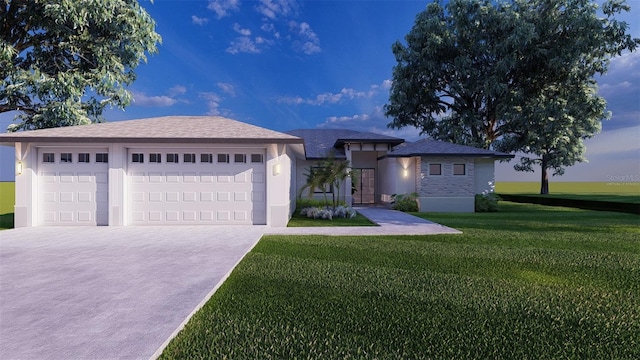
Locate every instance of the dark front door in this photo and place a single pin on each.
(364, 189)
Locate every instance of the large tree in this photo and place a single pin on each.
(480, 72)
(62, 62)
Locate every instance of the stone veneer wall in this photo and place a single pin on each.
(447, 184)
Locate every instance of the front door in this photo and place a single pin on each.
(364, 186)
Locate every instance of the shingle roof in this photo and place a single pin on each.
(168, 129)
(318, 142)
(429, 147)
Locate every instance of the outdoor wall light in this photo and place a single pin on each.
(276, 169)
(19, 168)
(405, 173)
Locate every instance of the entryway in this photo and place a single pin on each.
(364, 185)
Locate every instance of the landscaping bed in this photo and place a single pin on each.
(527, 282)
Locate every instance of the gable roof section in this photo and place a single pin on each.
(168, 129)
(429, 147)
(318, 142)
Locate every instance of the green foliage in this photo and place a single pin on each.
(529, 282)
(298, 220)
(487, 202)
(513, 75)
(6, 221)
(327, 173)
(63, 62)
(405, 202)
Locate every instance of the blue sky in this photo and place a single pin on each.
(286, 64)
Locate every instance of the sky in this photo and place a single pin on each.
(288, 64)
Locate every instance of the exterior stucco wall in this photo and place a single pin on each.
(278, 172)
(26, 186)
(396, 176)
(484, 175)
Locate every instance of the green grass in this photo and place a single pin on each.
(602, 191)
(298, 220)
(7, 197)
(529, 282)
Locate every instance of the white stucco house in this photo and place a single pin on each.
(213, 170)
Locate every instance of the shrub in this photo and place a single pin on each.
(328, 213)
(405, 202)
(487, 202)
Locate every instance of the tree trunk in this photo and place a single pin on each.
(544, 179)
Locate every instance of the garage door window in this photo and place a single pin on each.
(206, 158)
(83, 157)
(102, 157)
(189, 158)
(240, 158)
(223, 158)
(137, 158)
(257, 158)
(66, 158)
(155, 158)
(48, 158)
(172, 158)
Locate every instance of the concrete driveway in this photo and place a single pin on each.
(108, 292)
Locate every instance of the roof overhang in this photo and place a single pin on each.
(486, 156)
(11, 140)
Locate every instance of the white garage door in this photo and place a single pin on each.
(196, 186)
(73, 186)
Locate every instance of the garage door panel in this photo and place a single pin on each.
(74, 193)
(195, 193)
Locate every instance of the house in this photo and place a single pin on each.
(445, 176)
(192, 170)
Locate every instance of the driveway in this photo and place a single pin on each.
(108, 292)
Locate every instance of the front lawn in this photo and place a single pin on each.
(528, 282)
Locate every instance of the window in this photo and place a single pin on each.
(48, 158)
(104, 158)
(206, 158)
(223, 158)
(435, 169)
(257, 158)
(66, 158)
(239, 158)
(172, 158)
(459, 169)
(137, 158)
(155, 158)
(189, 158)
(83, 157)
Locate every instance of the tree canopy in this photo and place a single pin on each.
(62, 62)
(514, 75)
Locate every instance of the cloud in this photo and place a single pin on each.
(349, 120)
(243, 45)
(244, 32)
(199, 20)
(227, 88)
(141, 99)
(307, 40)
(375, 121)
(273, 9)
(223, 8)
(333, 98)
(177, 90)
(213, 102)
(270, 28)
